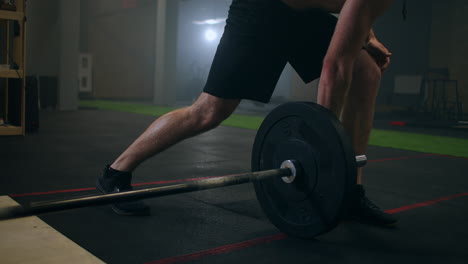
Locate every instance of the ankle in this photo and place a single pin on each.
(112, 173)
(120, 167)
(115, 171)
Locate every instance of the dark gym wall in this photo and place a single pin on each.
(434, 35)
(43, 48)
(408, 40)
(449, 42)
(122, 42)
(42, 38)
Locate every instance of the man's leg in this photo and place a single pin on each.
(358, 109)
(205, 114)
(344, 67)
(357, 117)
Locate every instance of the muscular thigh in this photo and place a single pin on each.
(260, 37)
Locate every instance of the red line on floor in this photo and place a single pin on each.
(264, 240)
(220, 250)
(423, 204)
(449, 156)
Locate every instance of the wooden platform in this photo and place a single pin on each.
(31, 240)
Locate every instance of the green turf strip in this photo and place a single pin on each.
(385, 138)
(420, 142)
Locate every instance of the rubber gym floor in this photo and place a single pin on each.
(426, 191)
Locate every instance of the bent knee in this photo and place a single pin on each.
(368, 68)
(211, 112)
(211, 117)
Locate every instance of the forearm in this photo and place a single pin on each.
(352, 30)
(354, 26)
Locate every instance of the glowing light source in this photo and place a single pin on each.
(210, 35)
(210, 21)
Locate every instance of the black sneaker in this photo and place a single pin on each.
(112, 181)
(364, 210)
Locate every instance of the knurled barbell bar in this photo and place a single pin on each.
(303, 170)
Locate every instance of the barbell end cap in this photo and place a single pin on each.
(361, 161)
(295, 170)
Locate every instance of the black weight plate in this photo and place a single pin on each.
(316, 201)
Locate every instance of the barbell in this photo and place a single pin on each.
(303, 172)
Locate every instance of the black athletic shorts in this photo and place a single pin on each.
(260, 37)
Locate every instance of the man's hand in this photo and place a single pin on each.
(379, 53)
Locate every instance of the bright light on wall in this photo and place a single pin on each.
(212, 21)
(210, 35)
